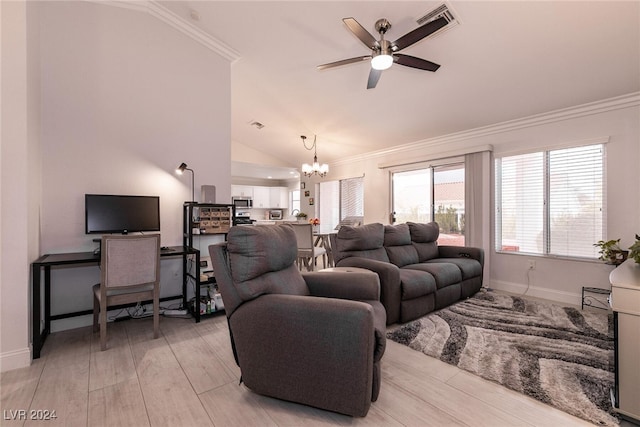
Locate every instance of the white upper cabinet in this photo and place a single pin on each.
(241, 191)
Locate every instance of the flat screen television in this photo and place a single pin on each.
(105, 213)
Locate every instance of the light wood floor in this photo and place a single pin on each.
(187, 377)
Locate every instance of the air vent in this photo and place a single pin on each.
(444, 10)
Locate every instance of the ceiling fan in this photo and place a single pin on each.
(384, 53)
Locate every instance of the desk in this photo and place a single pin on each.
(322, 240)
(79, 258)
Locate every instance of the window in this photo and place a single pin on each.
(432, 194)
(294, 200)
(551, 202)
(338, 200)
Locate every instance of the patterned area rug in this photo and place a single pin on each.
(561, 356)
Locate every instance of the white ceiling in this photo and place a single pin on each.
(505, 60)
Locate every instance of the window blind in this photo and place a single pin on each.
(551, 202)
(351, 197)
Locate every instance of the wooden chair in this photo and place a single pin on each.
(307, 251)
(130, 272)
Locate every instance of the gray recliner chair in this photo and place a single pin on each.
(311, 338)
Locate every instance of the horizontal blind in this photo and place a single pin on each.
(551, 202)
(520, 213)
(351, 197)
(576, 200)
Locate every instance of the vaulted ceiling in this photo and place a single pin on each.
(504, 60)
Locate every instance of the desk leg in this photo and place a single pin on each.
(39, 337)
(185, 279)
(35, 313)
(47, 301)
(196, 276)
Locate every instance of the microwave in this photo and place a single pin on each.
(277, 214)
(242, 202)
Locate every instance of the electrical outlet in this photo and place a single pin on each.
(532, 264)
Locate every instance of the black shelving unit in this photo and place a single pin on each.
(201, 219)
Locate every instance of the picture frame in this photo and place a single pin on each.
(302, 185)
(310, 201)
(306, 193)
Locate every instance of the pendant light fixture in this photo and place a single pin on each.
(315, 168)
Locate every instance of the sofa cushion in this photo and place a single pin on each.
(424, 238)
(253, 267)
(424, 233)
(444, 273)
(363, 238)
(364, 241)
(468, 267)
(415, 283)
(397, 243)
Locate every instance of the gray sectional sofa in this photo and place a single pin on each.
(416, 275)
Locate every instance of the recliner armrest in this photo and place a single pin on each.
(351, 285)
(389, 275)
(280, 338)
(462, 252)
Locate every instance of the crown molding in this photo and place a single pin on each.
(175, 21)
(597, 107)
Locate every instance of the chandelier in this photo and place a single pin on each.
(315, 168)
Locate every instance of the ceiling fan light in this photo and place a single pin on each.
(381, 62)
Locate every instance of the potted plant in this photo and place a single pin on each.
(302, 217)
(610, 251)
(634, 250)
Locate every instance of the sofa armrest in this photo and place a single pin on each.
(462, 252)
(344, 284)
(389, 275)
(312, 350)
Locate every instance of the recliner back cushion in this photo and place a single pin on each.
(397, 243)
(424, 238)
(365, 241)
(262, 261)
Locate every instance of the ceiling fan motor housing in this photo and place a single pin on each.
(382, 25)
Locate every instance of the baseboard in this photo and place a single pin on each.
(16, 359)
(537, 292)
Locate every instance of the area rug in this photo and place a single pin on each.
(561, 356)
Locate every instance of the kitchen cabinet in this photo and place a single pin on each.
(278, 197)
(261, 198)
(241, 191)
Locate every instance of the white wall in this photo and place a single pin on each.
(20, 184)
(556, 279)
(118, 100)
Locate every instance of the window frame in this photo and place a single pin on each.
(431, 168)
(547, 173)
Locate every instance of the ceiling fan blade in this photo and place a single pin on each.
(418, 34)
(374, 76)
(413, 62)
(359, 31)
(343, 62)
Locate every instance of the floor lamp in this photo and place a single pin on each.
(180, 170)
